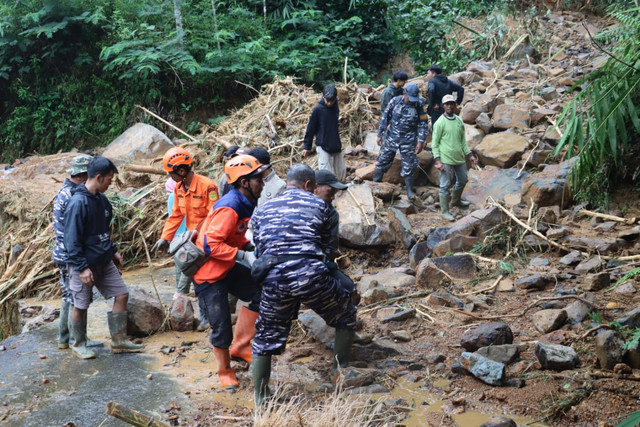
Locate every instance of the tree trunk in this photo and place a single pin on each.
(264, 12)
(215, 23)
(177, 12)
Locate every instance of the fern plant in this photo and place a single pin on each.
(601, 123)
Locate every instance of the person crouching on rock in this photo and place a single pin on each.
(94, 260)
(228, 268)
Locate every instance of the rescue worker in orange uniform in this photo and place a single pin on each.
(228, 269)
(194, 196)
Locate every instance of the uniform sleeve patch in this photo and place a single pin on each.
(213, 195)
(423, 117)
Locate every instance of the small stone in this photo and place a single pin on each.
(535, 281)
(556, 357)
(572, 258)
(626, 289)
(622, 369)
(42, 356)
(589, 265)
(494, 333)
(505, 353)
(596, 282)
(436, 358)
(506, 285)
(609, 348)
(539, 262)
(150, 376)
(556, 233)
(402, 336)
(499, 422)
(400, 316)
(2, 348)
(549, 320)
(45, 381)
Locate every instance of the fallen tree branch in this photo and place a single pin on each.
(132, 417)
(144, 169)
(479, 291)
(628, 221)
(595, 328)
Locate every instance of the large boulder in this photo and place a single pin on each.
(140, 141)
(181, 317)
(391, 279)
(425, 159)
(507, 116)
(492, 182)
(476, 224)
(145, 312)
(501, 149)
(473, 136)
(549, 187)
(471, 111)
(401, 227)
(358, 223)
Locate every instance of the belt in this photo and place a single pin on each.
(279, 259)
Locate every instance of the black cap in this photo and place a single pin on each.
(325, 177)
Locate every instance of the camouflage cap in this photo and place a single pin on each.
(79, 164)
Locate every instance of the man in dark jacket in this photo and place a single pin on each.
(437, 88)
(394, 89)
(94, 260)
(323, 124)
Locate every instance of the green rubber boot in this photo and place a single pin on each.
(63, 327)
(79, 334)
(444, 207)
(456, 199)
(408, 180)
(261, 367)
(342, 348)
(118, 329)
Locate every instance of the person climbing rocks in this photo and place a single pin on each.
(194, 196)
(407, 127)
(291, 229)
(228, 267)
(94, 260)
(450, 148)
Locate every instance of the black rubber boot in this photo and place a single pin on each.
(342, 348)
(261, 367)
(408, 180)
(377, 174)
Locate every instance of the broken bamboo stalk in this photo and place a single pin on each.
(144, 169)
(132, 417)
(628, 221)
(167, 123)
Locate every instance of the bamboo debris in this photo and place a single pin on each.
(628, 221)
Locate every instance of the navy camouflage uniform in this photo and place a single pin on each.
(407, 122)
(296, 224)
(59, 254)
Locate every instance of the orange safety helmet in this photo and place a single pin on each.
(176, 156)
(243, 165)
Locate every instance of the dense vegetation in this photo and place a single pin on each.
(72, 71)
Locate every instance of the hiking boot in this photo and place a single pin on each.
(456, 199)
(244, 332)
(377, 174)
(63, 327)
(408, 180)
(261, 367)
(118, 329)
(79, 334)
(444, 207)
(342, 348)
(227, 376)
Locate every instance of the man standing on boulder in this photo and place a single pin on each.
(194, 196)
(323, 125)
(292, 229)
(78, 175)
(406, 122)
(227, 270)
(94, 260)
(437, 88)
(449, 147)
(394, 89)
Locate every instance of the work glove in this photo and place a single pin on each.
(160, 244)
(246, 256)
(249, 247)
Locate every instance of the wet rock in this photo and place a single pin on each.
(318, 327)
(428, 275)
(140, 141)
(181, 314)
(596, 282)
(556, 357)
(358, 223)
(505, 353)
(494, 333)
(508, 116)
(589, 265)
(556, 233)
(400, 316)
(471, 111)
(630, 318)
(401, 227)
(457, 243)
(626, 288)
(486, 370)
(501, 149)
(549, 187)
(609, 348)
(577, 311)
(559, 337)
(539, 262)
(499, 422)
(535, 281)
(493, 182)
(546, 321)
(484, 123)
(145, 313)
(385, 191)
(401, 336)
(457, 266)
(572, 258)
(390, 279)
(535, 244)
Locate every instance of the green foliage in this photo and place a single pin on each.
(602, 122)
(631, 421)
